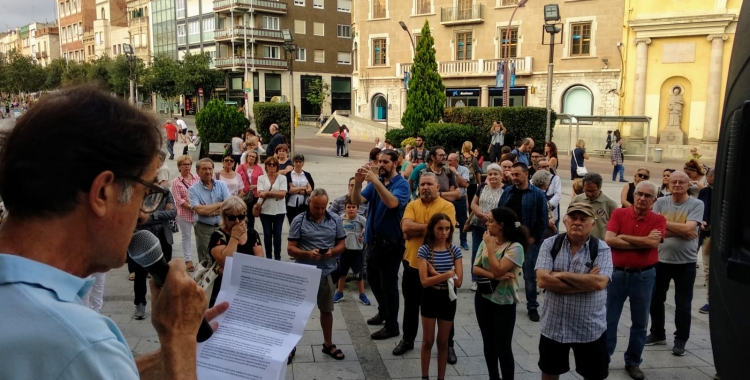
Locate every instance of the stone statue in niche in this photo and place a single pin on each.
(676, 103)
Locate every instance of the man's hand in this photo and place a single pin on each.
(182, 297)
(614, 162)
(169, 207)
(705, 226)
(367, 174)
(595, 270)
(655, 234)
(314, 254)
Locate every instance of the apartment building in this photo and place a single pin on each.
(10, 41)
(471, 38)
(75, 17)
(249, 40)
(110, 27)
(47, 40)
(139, 28)
(30, 46)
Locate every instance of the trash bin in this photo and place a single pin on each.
(657, 154)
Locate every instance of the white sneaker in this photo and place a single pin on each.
(474, 286)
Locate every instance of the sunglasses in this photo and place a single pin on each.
(232, 218)
(690, 168)
(228, 160)
(643, 176)
(272, 164)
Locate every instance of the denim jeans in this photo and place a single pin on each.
(639, 287)
(619, 168)
(684, 280)
(529, 276)
(272, 225)
(382, 275)
(139, 284)
(170, 148)
(461, 216)
(476, 238)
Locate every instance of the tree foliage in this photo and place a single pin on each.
(196, 73)
(218, 123)
(318, 95)
(426, 96)
(162, 79)
(270, 113)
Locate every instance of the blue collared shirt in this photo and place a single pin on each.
(199, 194)
(47, 333)
(310, 235)
(382, 220)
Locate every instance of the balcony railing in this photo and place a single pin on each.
(261, 5)
(479, 67)
(239, 32)
(462, 15)
(232, 62)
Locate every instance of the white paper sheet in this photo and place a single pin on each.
(269, 305)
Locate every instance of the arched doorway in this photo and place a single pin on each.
(379, 107)
(578, 100)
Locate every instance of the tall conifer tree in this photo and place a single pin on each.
(426, 96)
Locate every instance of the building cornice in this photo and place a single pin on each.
(680, 26)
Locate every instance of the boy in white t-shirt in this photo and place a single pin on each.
(353, 256)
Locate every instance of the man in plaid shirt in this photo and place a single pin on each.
(574, 312)
(616, 157)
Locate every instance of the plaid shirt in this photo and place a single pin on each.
(180, 193)
(616, 154)
(576, 317)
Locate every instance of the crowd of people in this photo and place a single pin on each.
(400, 210)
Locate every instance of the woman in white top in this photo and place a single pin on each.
(486, 199)
(272, 191)
(300, 184)
(230, 177)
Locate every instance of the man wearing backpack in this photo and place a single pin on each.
(447, 183)
(634, 233)
(574, 269)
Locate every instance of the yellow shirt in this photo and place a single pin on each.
(421, 213)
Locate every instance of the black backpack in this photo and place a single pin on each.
(593, 248)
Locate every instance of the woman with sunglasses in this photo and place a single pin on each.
(626, 195)
(250, 171)
(232, 236)
(271, 193)
(230, 177)
(282, 154)
(664, 189)
(697, 176)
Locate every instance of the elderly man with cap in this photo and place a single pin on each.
(574, 268)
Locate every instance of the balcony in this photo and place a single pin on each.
(252, 34)
(268, 6)
(462, 15)
(38, 55)
(238, 63)
(475, 68)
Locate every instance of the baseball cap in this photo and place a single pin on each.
(581, 207)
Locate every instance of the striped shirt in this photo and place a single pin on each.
(180, 188)
(442, 261)
(576, 317)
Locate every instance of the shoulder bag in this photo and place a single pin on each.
(580, 170)
(205, 276)
(259, 206)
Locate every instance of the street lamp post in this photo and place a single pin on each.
(291, 49)
(551, 17)
(130, 57)
(506, 69)
(411, 39)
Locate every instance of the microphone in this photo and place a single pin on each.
(145, 250)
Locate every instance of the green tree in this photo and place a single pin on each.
(426, 96)
(195, 73)
(218, 123)
(162, 79)
(54, 73)
(319, 92)
(119, 74)
(22, 74)
(98, 71)
(75, 73)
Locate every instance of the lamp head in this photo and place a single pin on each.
(127, 49)
(551, 13)
(522, 3)
(287, 35)
(403, 26)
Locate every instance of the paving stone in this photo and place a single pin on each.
(399, 369)
(327, 370)
(349, 354)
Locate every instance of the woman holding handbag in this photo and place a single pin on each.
(496, 267)
(250, 171)
(271, 207)
(486, 199)
(577, 164)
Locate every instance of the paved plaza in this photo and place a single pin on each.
(368, 359)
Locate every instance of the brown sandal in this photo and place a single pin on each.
(131, 276)
(338, 355)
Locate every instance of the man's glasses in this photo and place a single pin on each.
(232, 218)
(643, 176)
(639, 194)
(155, 195)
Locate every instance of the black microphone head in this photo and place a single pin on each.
(144, 248)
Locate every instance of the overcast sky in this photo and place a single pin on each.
(16, 13)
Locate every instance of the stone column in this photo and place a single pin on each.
(402, 101)
(639, 93)
(713, 104)
(484, 96)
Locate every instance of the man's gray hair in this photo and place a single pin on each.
(594, 178)
(428, 175)
(202, 160)
(650, 185)
(162, 155)
(319, 192)
(274, 126)
(541, 178)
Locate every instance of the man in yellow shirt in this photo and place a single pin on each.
(414, 225)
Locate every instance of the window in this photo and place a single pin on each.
(511, 43)
(181, 34)
(344, 31)
(271, 23)
(578, 100)
(75, 31)
(318, 4)
(180, 8)
(194, 32)
(378, 52)
(62, 10)
(67, 7)
(114, 50)
(344, 5)
(301, 3)
(463, 46)
(345, 58)
(273, 52)
(301, 54)
(378, 8)
(318, 28)
(379, 108)
(75, 7)
(300, 26)
(319, 56)
(423, 7)
(104, 14)
(209, 25)
(580, 39)
(507, 3)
